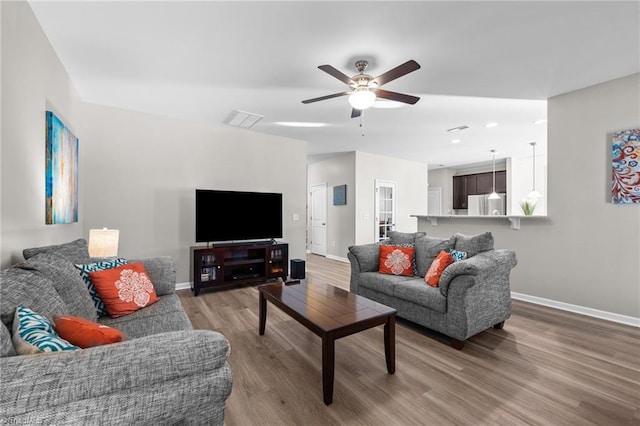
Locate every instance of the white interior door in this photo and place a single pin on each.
(318, 219)
(434, 201)
(385, 208)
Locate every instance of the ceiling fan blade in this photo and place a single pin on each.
(395, 96)
(337, 74)
(355, 113)
(322, 98)
(396, 72)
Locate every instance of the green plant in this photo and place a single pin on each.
(527, 207)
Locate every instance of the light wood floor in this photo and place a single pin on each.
(546, 367)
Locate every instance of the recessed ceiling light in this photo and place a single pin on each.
(299, 124)
(455, 141)
(457, 129)
(490, 125)
(541, 121)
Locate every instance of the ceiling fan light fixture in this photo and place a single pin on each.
(362, 98)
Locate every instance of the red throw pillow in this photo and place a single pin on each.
(396, 260)
(432, 277)
(84, 333)
(124, 289)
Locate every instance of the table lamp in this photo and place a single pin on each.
(103, 242)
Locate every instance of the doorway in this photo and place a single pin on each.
(318, 219)
(385, 208)
(434, 202)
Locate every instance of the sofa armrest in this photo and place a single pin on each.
(162, 271)
(487, 264)
(365, 257)
(153, 379)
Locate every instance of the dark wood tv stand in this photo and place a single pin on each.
(223, 266)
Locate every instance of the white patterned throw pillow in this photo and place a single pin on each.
(34, 334)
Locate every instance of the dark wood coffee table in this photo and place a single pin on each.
(331, 313)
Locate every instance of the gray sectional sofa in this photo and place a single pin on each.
(473, 294)
(163, 373)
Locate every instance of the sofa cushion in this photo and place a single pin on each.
(6, 348)
(19, 287)
(396, 260)
(84, 333)
(382, 283)
(66, 280)
(427, 248)
(167, 314)
(76, 251)
(396, 237)
(474, 244)
(34, 334)
(162, 271)
(414, 290)
(124, 289)
(84, 270)
(442, 260)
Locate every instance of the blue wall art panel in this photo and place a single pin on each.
(340, 195)
(61, 172)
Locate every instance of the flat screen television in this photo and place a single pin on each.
(237, 215)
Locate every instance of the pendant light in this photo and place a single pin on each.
(533, 195)
(494, 195)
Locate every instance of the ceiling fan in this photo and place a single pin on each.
(365, 88)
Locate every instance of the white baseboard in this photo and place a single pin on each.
(596, 313)
(183, 286)
(339, 259)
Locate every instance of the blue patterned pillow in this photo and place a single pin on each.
(93, 267)
(458, 255)
(34, 334)
(413, 261)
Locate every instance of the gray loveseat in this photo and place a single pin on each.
(473, 294)
(164, 373)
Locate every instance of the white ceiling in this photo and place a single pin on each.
(481, 62)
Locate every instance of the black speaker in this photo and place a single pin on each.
(297, 269)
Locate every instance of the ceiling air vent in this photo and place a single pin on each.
(243, 119)
(457, 129)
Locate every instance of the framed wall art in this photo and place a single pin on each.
(625, 175)
(340, 195)
(61, 172)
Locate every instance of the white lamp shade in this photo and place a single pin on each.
(494, 196)
(362, 98)
(103, 242)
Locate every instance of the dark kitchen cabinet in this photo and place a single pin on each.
(476, 184)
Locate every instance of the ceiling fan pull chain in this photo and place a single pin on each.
(362, 122)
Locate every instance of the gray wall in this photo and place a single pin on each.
(411, 192)
(355, 222)
(588, 251)
(141, 172)
(338, 170)
(33, 81)
(138, 172)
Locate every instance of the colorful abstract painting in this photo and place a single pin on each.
(61, 172)
(625, 177)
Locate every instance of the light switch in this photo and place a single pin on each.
(296, 216)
